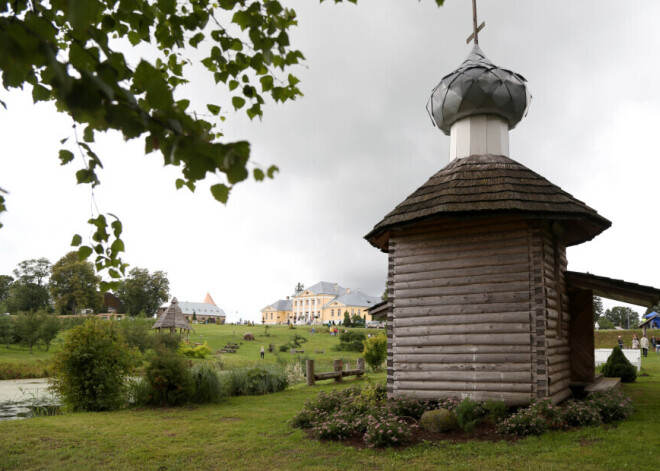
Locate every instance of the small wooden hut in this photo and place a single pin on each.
(479, 301)
(173, 319)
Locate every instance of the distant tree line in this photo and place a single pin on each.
(618, 316)
(71, 286)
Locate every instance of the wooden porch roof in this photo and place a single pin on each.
(379, 311)
(618, 290)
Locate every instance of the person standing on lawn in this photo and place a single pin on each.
(645, 345)
(262, 352)
(654, 344)
(635, 342)
(620, 341)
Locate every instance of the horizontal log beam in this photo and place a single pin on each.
(517, 296)
(461, 349)
(453, 319)
(456, 273)
(455, 329)
(510, 398)
(525, 358)
(505, 367)
(467, 378)
(461, 386)
(475, 288)
(421, 311)
(468, 339)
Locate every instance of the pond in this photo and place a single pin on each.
(24, 398)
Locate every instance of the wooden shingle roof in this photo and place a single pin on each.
(490, 185)
(172, 317)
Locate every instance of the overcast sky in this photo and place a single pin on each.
(358, 143)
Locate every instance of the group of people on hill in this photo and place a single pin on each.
(643, 344)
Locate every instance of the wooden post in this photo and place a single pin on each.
(310, 372)
(360, 364)
(338, 372)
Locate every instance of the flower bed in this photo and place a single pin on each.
(365, 417)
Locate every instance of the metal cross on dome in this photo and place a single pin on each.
(475, 34)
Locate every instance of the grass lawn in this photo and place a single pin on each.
(252, 433)
(17, 362)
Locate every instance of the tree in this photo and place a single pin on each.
(5, 284)
(29, 292)
(90, 368)
(62, 50)
(347, 319)
(49, 327)
(26, 327)
(383, 297)
(6, 330)
(299, 289)
(605, 324)
(622, 316)
(74, 285)
(357, 320)
(375, 351)
(598, 308)
(144, 292)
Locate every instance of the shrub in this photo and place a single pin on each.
(169, 341)
(169, 378)
(496, 411)
(468, 415)
(551, 414)
(207, 385)
(90, 367)
(618, 366)
(295, 373)
(255, 381)
(438, 421)
(387, 430)
(611, 406)
(199, 351)
(304, 419)
(351, 341)
(375, 351)
(449, 403)
(265, 380)
(525, 422)
(137, 332)
(285, 347)
(336, 426)
(580, 413)
(404, 406)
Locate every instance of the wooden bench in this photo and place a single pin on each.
(338, 373)
(319, 351)
(294, 351)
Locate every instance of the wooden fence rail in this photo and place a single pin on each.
(337, 374)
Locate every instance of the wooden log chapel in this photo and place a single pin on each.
(480, 302)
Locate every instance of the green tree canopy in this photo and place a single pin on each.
(598, 308)
(347, 319)
(29, 291)
(5, 284)
(71, 53)
(144, 292)
(623, 317)
(74, 285)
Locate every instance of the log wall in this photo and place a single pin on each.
(479, 309)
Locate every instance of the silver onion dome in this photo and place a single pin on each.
(479, 87)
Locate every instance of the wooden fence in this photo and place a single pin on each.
(337, 374)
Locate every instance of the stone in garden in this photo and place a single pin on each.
(438, 421)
